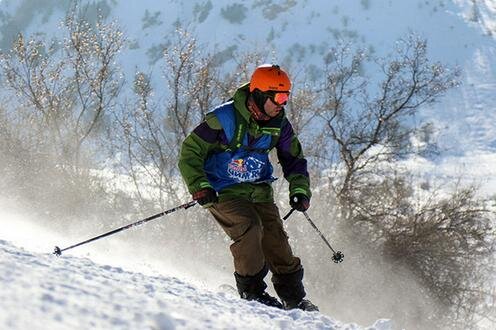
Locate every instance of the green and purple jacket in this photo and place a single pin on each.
(229, 150)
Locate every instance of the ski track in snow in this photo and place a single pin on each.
(488, 16)
(42, 291)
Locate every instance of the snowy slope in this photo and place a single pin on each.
(42, 291)
(113, 284)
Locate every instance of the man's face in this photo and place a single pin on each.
(272, 109)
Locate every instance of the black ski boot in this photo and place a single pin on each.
(304, 304)
(263, 298)
(289, 288)
(253, 288)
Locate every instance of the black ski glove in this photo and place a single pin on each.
(299, 202)
(206, 197)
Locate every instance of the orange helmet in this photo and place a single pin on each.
(269, 77)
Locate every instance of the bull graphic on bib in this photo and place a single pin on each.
(247, 169)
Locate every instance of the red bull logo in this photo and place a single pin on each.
(237, 165)
(248, 169)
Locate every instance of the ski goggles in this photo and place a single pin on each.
(279, 98)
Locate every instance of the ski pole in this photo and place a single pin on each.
(337, 256)
(289, 213)
(58, 251)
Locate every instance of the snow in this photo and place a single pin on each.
(94, 288)
(475, 168)
(102, 286)
(42, 291)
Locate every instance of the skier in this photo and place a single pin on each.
(225, 164)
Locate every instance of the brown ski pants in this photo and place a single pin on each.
(258, 237)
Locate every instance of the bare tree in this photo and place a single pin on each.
(369, 130)
(42, 92)
(69, 86)
(91, 53)
(244, 65)
(154, 129)
(189, 75)
(446, 240)
(58, 92)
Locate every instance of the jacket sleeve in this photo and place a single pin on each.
(294, 164)
(194, 151)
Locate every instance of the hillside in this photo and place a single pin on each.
(298, 34)
(175, 268)
(42, 291)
